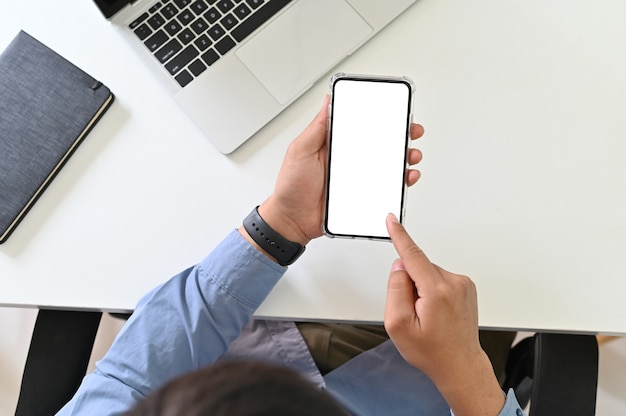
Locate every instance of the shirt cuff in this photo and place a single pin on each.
(511, 406)
(241, 270)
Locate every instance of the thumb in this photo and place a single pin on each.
(314, 135)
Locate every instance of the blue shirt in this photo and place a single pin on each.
(204, 314)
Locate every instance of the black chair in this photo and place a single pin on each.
(57, 360)
(556, 373)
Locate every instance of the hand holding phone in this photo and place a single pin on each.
(369, 135)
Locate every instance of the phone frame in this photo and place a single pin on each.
(367, 78)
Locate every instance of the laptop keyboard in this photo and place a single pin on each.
(188, 36)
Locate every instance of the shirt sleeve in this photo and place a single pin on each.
(180, 326)
(511, 406)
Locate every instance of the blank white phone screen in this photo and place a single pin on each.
(368, 144)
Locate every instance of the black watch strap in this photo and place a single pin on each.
(284, 251)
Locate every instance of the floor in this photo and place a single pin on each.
(612, 380)
(18, 324)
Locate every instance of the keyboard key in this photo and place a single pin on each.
(170, 49)
(216, 32)
(242, 11)
(225, 45)
(169, 11)
(156, 21)
(202, 42)
(225, 5)
(173, 27)
(156, 7)
(184, 78)
(182, 3)
(229, 21)
(199, 25)
(197, 67)
(185, 17)
(156, 41)
(138, 20)
(210, 56)
(255, 20)
(143, 31)
(186, 36)
(254, 3)
(182, 59)
(212, 15)
(198, 7)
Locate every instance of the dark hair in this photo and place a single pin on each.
(239, 388)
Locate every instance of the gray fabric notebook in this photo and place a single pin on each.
(47, 107)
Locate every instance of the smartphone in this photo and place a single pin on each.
(369, 136)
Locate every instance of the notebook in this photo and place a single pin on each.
(47, 107)
(233, 65)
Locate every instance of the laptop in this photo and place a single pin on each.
(233, 65)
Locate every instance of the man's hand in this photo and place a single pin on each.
(431, 316)
(296, 208)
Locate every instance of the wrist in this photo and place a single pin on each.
(474, 390)
(282, 223)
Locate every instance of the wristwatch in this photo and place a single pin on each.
(284, 251)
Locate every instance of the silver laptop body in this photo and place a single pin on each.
(233, 65)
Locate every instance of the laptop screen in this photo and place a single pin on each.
(110, 7)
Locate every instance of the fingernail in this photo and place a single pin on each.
(394, 218)
(397, 265)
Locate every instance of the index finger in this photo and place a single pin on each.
(414, 259)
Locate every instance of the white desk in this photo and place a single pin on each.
(523, 187)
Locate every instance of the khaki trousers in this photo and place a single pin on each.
(332, 344)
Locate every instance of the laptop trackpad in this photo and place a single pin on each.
(302, 44)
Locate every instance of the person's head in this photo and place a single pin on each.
(239, 388)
